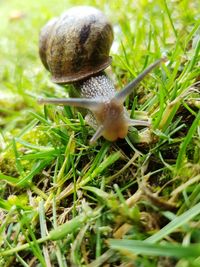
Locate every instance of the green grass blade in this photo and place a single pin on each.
(174, 224)
(166, 250)
(37, 167)
(186, 141)
(9, 179)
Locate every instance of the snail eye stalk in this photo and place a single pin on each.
(90, 104)
(128, 89)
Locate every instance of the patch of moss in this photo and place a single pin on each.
(7, 164)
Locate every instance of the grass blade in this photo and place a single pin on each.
(144, 248)
(186, 141)
(176, 223)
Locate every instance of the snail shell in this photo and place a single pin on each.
(76, 45)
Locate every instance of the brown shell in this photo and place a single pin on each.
(76, 45)
(43, 40)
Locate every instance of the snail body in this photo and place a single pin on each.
(75, 49)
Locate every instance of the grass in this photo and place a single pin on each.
(134, 202)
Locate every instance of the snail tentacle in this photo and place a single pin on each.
(98, 133)
(87, 103)
(138, 123)
(128, 89)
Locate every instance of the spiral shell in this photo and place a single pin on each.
(76, 45)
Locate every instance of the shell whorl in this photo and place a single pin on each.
(76, 45)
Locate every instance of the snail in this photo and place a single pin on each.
(75, 49)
